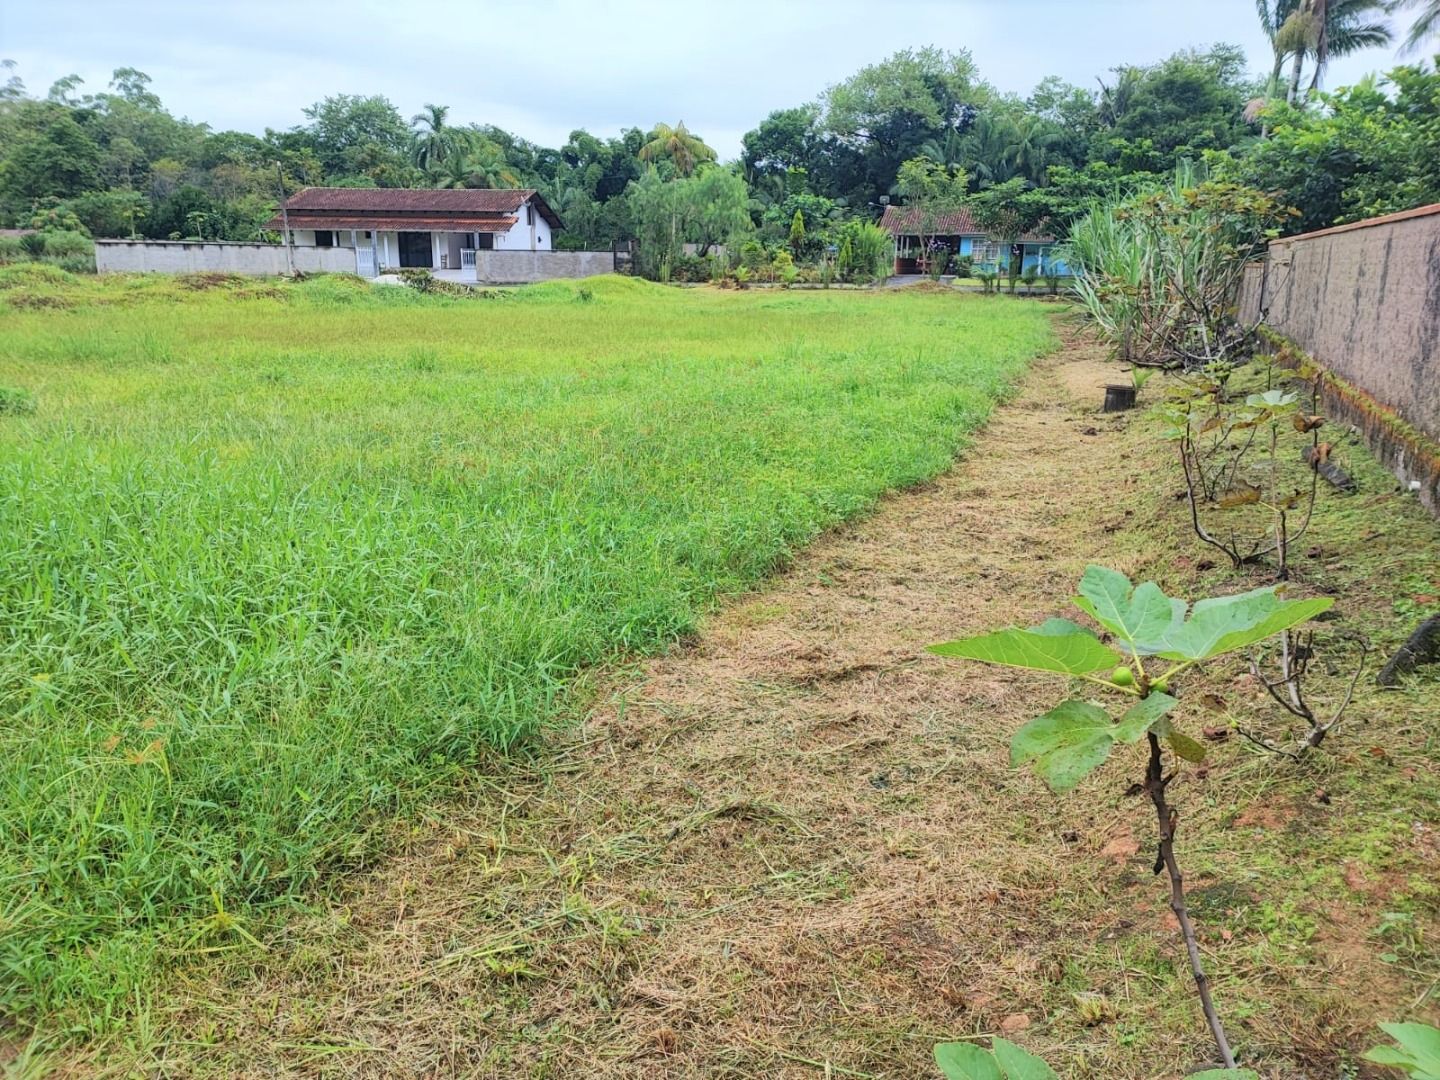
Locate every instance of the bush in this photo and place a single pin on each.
(871, 251)
(962, 265)
(690, 268)
(11, 250)
(58, 245)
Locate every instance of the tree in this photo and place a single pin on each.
(482, 166)
(882, 115)
(1426, 24)
(354, 135)
(435, 140)
(931, 192)
(1318, 30)
(715, 202)
(684, 150)
(786, 139)
(54, 157)
(797, 233)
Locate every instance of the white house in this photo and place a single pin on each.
(412, 227)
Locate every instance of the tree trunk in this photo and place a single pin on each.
(1294, 94)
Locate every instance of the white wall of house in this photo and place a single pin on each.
(530, 233)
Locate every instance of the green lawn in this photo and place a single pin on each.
(277, 561)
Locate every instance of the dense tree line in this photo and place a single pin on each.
(118, 163)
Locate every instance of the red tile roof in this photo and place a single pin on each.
(407, 223)
(905, 221)
(469, 203)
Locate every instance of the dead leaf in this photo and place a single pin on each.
(1213, 701)
(1013, 1023)
(1241, 494)
(1215, 734)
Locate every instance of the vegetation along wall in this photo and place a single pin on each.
(1359, 307)
(179, 257)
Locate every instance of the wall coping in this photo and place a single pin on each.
(1387, 219)
(213, 243)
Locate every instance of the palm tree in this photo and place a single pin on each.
(685, 150)
(987, 148)
(435, 140)
(481, 166)
(1426, 24)
(1028, 150)
(1318, 30)
(949, 151)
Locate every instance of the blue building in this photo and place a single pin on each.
(959, 235)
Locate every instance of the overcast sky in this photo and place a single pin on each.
(545, 67)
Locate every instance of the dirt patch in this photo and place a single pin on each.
(795, 847)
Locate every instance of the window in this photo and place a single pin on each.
(367, 234)
(324, 238)
(530, 214)
(486, 241)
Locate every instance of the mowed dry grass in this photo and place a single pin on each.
(795, 847)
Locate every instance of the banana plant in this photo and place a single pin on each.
(1154, 641)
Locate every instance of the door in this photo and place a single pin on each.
(415, 249)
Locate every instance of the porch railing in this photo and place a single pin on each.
(467, 258)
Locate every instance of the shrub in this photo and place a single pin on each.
(690, 268)
(872, 250)
(962, 266)
(11, 250)
(58, 245)
(783, 268)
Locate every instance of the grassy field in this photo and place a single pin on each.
(278, 562)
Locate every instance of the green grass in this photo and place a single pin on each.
(278, 562)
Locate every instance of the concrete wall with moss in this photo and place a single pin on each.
(1362, 303)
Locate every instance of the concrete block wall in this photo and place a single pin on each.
(1362, 302)
(526, 267)
(183, 257)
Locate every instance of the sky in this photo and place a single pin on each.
(545, 67)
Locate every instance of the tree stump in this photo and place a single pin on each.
(1118, 397)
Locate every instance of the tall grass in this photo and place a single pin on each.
(277, 563)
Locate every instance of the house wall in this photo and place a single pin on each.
(181, 257)
(1360, 300)
(524, 267)
(520, 235)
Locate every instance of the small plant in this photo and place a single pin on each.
(1030, 276)
(989, 279)
(1139, 377)
(1231, 455)
(1073, 739)
(1006, 1061)
(1295, 656)
(1418, 1052)
(1052, 281)
(1003, 1061)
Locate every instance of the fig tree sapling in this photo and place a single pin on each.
(1070, 741)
